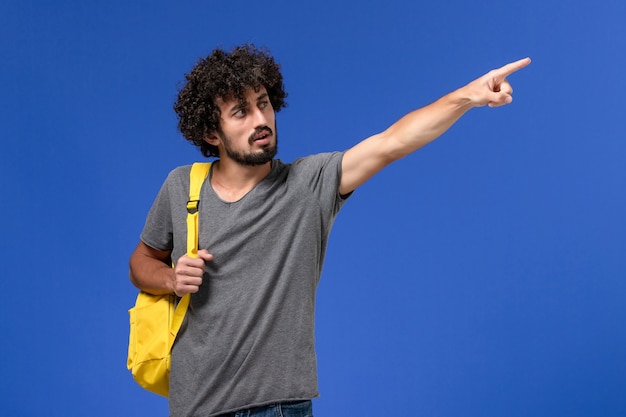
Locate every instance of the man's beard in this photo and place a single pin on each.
(267, 153)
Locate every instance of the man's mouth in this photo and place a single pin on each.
(261, 136)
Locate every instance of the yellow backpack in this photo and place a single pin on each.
(156, 319)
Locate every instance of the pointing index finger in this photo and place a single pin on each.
(509, 69)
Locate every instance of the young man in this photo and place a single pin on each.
(248, 338)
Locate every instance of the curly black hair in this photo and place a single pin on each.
(225, 75)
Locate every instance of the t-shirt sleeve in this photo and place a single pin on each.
(322, 173)
(158, 231)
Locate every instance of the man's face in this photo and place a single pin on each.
(248, 128)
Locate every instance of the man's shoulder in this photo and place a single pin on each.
(180, 170)
(180, 174)
(317, 160)
(177, 180)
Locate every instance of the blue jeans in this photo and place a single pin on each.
(290, 409)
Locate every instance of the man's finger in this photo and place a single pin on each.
(509, 69)
(205, 255)
(505, 87)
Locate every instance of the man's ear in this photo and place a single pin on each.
(212, 139)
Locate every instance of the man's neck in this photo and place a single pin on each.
(231, 180)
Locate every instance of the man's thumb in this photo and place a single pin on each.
(204, 254)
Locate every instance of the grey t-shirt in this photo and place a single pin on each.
(248, 338)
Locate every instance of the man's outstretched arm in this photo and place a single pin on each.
(424, 125)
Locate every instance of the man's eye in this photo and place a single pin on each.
(263, 104)
(240, 113)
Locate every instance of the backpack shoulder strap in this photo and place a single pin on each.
(199, 172)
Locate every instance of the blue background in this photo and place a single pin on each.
(484, 275)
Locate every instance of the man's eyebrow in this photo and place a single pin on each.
(243, 103)
(240, 105)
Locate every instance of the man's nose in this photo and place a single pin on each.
(260, 117)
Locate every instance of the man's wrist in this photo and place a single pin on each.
(170, 281)
(462, 98)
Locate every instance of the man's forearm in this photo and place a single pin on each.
(151, 270)
(405, 136)
(422, 126)
(426, 124)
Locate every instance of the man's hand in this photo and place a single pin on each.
(189, 271)
(493, 89)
